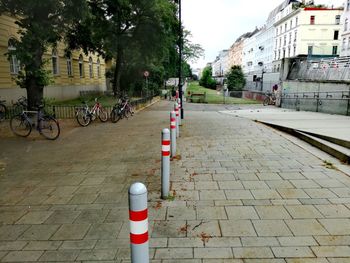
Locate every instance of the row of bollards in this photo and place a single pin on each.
(138, 212)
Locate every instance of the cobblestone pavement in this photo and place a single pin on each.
(241, 193)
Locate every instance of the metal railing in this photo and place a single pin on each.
(334, 102)
(68, 111)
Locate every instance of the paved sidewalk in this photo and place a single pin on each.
(335, 126)
(242, 193)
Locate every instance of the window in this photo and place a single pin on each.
(69, 66)
(335, 50)
(91, 69)
(349, 43)
(81, 66)
(312, 20)
(294, 51)
(275, 55)
(280, 41)
(284, 53)
(295, 36)
(98, 68)
(279, 54)
(337, 19)
(285, 40)
(276, 31)
(285, 27)
(346, 24)
(54, 59)
(291, 24)
(288, 51)
(14, 63)
(343, 45)
(336, 34)
(309, 50)
(296, 21)
(290, 37)
(348, 5)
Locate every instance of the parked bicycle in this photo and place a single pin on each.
(270, 99)
(21, 124)
(3, 110)
(121, 109)
(85, 115)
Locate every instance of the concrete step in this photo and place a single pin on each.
(335, 147)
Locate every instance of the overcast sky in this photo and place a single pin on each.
(216, 24)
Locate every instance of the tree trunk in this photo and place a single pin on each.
(35, 94)
(35, 90)
(117, 71)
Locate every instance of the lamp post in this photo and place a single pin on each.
(180, 61)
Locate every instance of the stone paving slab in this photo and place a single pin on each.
(237, 197)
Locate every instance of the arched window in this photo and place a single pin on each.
(14, 63)
(91, 70)
(81, 66)
(98, 68)
(54, 58)
(69, 65)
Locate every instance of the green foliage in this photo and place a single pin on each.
(235, 79)
(42, 24)
(207, 80)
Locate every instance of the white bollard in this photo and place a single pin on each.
(138, 216)
(165, 180)
(176, 108)
(173, 133)
(180, 106)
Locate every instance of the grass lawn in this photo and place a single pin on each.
(214, 97)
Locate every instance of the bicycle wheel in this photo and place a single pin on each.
(20, 125)
(266, 101)
(49, 128)
(83, 117)
(2, 112)
(102, 115)
(116, 115)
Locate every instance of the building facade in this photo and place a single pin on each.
(345, 31)
(249, 49)
(220, 65)
(306, 31)
(235, 55)
(70, 75)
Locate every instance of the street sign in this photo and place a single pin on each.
(146, 73)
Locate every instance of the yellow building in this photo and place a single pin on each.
(73, 74)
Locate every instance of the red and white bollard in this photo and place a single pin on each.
(180, 106)
(138, 216)
(176, 108)
(173, 133)
(165, 180)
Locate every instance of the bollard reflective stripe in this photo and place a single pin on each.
(173, 123)
(138, 226)
(165, 148)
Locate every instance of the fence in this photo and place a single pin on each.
(337, 69)
(334, 102)
(262, 86)
(68, 111)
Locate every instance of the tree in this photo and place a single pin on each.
(137, 34)
(207, 80)
(42, 25)
(235, 79)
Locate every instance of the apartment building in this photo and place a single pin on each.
(345, 31)
(306, 31)
(71, 74)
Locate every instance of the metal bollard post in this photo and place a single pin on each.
(138, 215)
(165, 163)
(179, 106)
(176, 108)
(173, 133)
